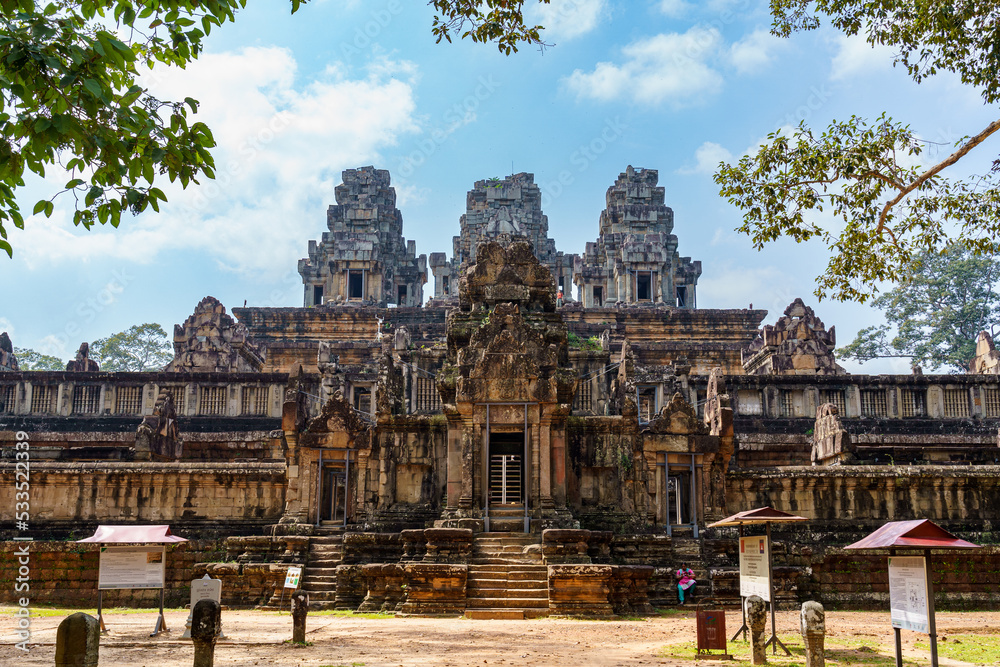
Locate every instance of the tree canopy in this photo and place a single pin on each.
(887, 212)
(142, 347)
(70, 102)
(29, 360)
(936, 313)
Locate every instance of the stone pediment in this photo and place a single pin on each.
(677, 417)
(336, 426)
(507, 274)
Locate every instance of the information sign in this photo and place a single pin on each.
(754, 570)
(292, 577)
(908, 593)
(206, 589)
(131, 567)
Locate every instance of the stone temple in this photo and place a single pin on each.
(547, 433)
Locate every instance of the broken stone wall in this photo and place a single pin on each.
(64, 574)
(226, 497)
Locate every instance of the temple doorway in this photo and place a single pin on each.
(506, 469)
(333, 495)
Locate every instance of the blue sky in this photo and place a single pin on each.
(294, 100)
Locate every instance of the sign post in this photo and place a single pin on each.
(205, 588)
(133, 567)
(756, 566)
(141, 565)
(293, 576)
(911, 590)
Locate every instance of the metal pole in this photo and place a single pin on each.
(666, 481)
(895, 631)
(773, 641)
(100, 606)
(347, 482)
(524, 468)
(485, 472)
(319, 488)
(694, 506)
(743, 608)
(931, 625)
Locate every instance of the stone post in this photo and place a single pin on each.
(757, 619)
(77, 641)
(207, 619)
(813, 633)
(300, 607)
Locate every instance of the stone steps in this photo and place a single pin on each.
(319, 576)
(504, 582)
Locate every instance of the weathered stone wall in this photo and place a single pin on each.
(229, 497)
(963, 497)
(965, 580)
(65, 573)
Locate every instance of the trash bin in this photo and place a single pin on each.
(711, 625)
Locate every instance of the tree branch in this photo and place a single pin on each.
(947, 162)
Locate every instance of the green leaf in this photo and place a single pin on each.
(94, 88)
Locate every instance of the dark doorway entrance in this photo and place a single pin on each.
(401, 295)
(333, 499)
(355, 284)
(598, 296)
(506, 468)
(643, 286)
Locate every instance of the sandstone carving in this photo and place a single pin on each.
(211, 340)
(83, 363)
(831, 441)
(797, 344)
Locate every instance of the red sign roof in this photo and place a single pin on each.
(760, 515)
(133, 535)
(916, 534)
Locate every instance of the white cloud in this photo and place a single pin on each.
(669, 67)
(707, 158)
(281, 147)
(566, 19)
(674, 8)
(8, 326)
(754, 51)
(856, 56)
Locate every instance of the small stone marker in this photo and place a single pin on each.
(813, 633)
(77, 641)
(204, 630)
(205, 588)
(300, 607)
(757, 619)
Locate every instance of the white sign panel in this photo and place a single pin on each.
(131, 567)
(206, 589)
(754, 570)
(292, 577)
(908, 593)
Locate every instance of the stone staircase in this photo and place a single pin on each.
(319, 577)
(688, 550)
(507, 519)
(506, 578)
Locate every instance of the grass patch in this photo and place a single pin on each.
(43, 612)
(978, 649)
(853, 652)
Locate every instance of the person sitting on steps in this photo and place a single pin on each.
(685, 582)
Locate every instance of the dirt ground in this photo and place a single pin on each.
(257, 638)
